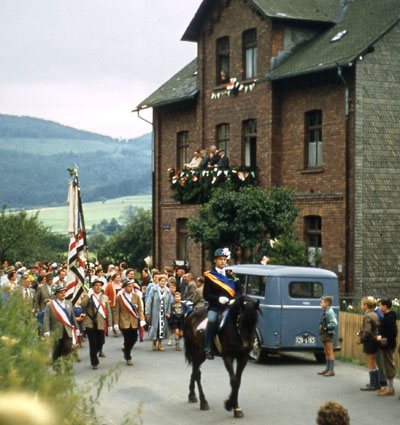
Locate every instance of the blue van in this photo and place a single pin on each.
(290, 304)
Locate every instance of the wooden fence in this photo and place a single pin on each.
(349, 325)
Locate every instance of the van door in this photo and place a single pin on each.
(301, 312)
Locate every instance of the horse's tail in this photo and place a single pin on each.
(189, 338)
(194, 340)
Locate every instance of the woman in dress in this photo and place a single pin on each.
(158, 311)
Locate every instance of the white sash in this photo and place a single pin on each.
(128, 305)
(99, 306)
(62, 316)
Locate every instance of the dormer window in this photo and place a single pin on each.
(250, 53)
(223, 60)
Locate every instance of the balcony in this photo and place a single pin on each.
(196, 186)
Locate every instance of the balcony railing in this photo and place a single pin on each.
(196, 186)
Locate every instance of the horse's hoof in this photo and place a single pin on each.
(204, 405)
(192, 399)
(238, 413)
(228, 405)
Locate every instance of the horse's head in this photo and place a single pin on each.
(247, 309)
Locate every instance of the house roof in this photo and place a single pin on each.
(182, 86)
(305, 10)
(365, 21)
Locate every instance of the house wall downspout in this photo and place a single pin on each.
(347, 183)
(153, 182)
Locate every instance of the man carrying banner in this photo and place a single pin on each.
(60, 324)
(218, 290)
(97, 316)
(128, 317)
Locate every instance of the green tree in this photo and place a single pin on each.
(132, 244)
(26, 239)
(243, 219)
(286, 250)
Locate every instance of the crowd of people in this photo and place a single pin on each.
(378, 336)
(120, 301)
(215, 158)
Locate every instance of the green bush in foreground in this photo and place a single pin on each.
(25, 368)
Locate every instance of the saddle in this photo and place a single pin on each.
(202, 326)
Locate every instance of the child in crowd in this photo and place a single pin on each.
(368, 337)
(327, 328)
(387, 339)
(179, 309)
(158, 310)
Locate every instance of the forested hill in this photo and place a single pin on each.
(35, 155)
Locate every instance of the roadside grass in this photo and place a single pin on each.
(94, 212)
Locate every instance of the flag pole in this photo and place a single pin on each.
(82, 217)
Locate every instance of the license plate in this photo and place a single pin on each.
(302, 340)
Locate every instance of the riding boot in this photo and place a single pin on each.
(160, 347)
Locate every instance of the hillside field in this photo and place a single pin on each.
(94, 212)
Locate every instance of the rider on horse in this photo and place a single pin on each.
(219, 289)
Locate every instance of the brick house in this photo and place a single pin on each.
(315, 108)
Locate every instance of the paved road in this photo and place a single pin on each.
(284, 391)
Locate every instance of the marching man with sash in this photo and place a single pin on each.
(98, 315)
(128, 317)
(219, 290)
(60, 324)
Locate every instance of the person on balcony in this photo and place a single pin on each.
(204, 159)
(223, 161)
(195, 162)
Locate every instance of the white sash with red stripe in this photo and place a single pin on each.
(128, 305)
(63, 317)
(99, 306)
(101, 309)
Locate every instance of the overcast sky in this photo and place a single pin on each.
(88, 63)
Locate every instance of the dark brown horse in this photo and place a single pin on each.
(236, 338)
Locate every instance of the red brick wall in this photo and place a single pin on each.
(280, 135)
(321, 192)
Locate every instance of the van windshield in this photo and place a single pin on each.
(305, 289)
(255, 285)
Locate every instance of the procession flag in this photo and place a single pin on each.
(76, 227)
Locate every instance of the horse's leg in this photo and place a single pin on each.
(203, 401)
(241, 364)
(235, 380)
(192, 395)
(228, 361)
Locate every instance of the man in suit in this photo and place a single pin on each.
(180, 281)
(190, 287)
(26, 292)
(223, 161)
(97, 315)
(60, 324)
(128, 317)
(218, 291)
(44, 292)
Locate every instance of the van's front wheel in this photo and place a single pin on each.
(257, 353)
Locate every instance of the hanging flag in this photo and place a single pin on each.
(76, 283)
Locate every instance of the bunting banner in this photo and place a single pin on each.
(63, 316)
(76, 283)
